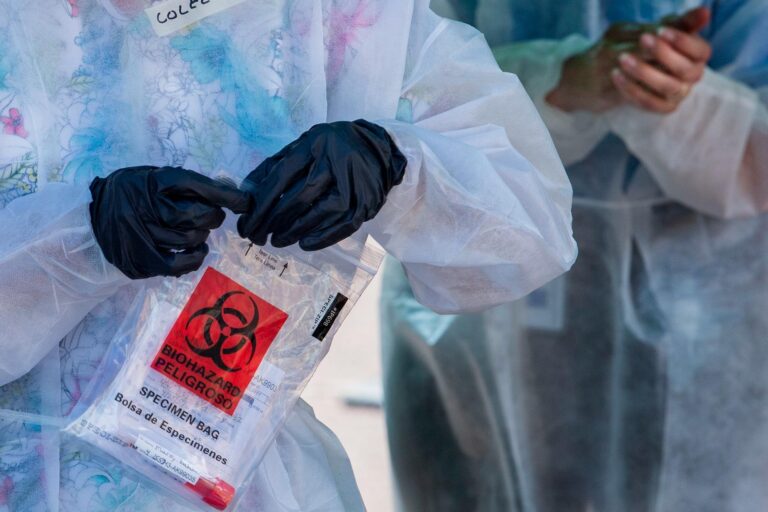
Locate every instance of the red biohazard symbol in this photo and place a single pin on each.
(219, 340)
(224, 343)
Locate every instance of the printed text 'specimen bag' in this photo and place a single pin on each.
(206, 367)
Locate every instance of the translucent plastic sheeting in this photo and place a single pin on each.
(87, 87)
(637, 381)
(203, 373)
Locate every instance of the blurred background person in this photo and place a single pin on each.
(638, 382)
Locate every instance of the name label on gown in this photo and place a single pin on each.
(173, 15)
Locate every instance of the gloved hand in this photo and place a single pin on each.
(320, 189)
(153, 221)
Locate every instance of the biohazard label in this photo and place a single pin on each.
(216, 345)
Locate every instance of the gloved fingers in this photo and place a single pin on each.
(97, 186)
(356, 162)
(332, 235)
(177, 239)
(357, 197)
(137, 170)
(261, 172)
(301, 198)
(211, 219)
(245, 229)
(281, 221)
(325, 213)
(180, 263)
(398, 165)
(185, 214)
(139, 256)
(251, 183)
(281, 177)
(178, 183)
(383, 153)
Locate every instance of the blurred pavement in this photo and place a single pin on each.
(353, 368)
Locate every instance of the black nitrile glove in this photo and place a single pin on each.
(321, 188)
(153, 221)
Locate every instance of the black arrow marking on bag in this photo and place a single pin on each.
(285, 267)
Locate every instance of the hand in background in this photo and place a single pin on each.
(650, 66)
(671, 63)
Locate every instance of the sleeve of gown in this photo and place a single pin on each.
(538, 64)
(52, 273)
(711, 153)
(483, 214)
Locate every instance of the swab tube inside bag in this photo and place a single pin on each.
(205, 370)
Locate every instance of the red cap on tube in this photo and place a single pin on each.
(217, 494)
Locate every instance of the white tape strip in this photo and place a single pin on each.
(172, 15)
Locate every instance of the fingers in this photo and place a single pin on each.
(628, 33)
(219, 194)
(280, 177)
(690, 21)
(175, 239)
(640, 97)
(652, 78)
(180, 263)
(692, 46)
(666, 56)
(246, 228)
(180, 183)
(186, 215)
(669, 65)
(324, 213)
(331, 235)
(157, 260)
(298, 201)
(261, 172)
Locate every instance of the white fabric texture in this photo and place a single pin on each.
(86, 88)
(54, 270)
(489, 203)
(710, 153)
(636, 382)
(540, 64)
(706, 154)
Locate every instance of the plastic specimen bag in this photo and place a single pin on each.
(206, 367)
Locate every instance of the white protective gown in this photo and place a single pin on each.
(86, 87)
(638, 381)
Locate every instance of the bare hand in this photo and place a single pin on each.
(651, 66)
(585, 83)
(662, 75)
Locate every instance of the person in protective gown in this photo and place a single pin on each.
(637, 382)
(110, 133)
